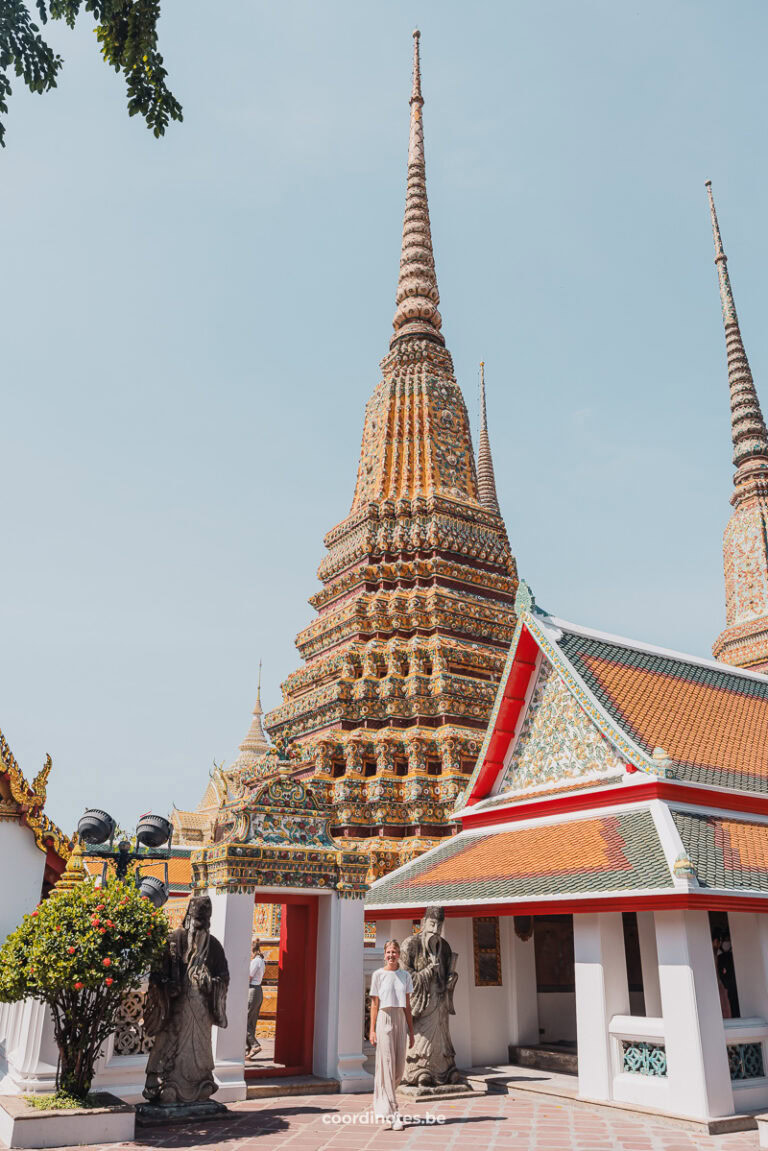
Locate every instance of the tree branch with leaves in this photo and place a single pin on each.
(127, 34)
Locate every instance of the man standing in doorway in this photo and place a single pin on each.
(255, 998)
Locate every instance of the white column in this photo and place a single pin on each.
(339, 989)
(649, 962)
(602, 991)
(232, 924)
(749, 940)
(697, 1063)
(521, 976)
(458, 932)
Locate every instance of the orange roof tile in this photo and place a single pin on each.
(712, 724)
(606, 853)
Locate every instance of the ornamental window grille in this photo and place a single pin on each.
(640, 1058)
(130, 1038)
(487, 947)
(745, 1060)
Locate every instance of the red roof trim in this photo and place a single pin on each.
(638, 793)
(677, 900)
(509, 708)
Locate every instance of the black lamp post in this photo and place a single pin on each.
(96, 829)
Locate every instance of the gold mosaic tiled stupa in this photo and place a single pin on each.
(415, 614)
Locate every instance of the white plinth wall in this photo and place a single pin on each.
(22, 865)
(28, 1053)
(681, 1057)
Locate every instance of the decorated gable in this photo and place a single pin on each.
(557, 740)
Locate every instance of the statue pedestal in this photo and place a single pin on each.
(161, 1114)
(440, 1091)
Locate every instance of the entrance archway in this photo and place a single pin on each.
(297, 964)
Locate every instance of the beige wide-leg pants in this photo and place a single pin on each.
(391, 1042)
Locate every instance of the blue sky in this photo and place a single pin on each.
(191, 328)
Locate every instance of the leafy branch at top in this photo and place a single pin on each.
(127, 34)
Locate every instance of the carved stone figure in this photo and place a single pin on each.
(186, 996)
(431, 1062)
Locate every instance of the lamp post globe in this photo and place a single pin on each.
(154, 890)
(153, 830)
(95, 826)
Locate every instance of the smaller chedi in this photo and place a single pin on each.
(186, 997)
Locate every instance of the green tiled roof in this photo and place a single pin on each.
(729, 853)
(582, 857)
(712, 722)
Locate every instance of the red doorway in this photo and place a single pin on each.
(295, 1020)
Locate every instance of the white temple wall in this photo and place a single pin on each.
(557, 1016)
(489, 1007)
(518, 969)
(22, 866)
(458, 932)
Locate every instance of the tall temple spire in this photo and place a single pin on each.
(417, 294)
(744, 640)
(486, 480)
(748, 431)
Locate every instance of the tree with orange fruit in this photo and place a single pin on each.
(79, 952)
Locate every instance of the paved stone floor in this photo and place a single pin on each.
(519, 1122)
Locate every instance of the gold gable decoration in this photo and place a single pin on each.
(31, 801)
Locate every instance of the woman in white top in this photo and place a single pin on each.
(391, 1018)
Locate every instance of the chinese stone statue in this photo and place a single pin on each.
(431, 1062)
(186, 996)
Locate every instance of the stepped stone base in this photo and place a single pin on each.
(290, 1085)
(162, 1114)
(442, 1091)
(544, 1058)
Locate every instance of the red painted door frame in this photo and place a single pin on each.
(295, 1023)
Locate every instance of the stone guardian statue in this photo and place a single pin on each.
(431, 1062)
(187, 995)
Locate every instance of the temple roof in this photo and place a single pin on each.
(725, 853)
(711, 720)
(606, 853)
(659, 711)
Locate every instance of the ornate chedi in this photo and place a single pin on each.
(416, 610)
(744, 642)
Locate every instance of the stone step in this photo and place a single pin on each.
(290, 1085)
(545, 1058)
